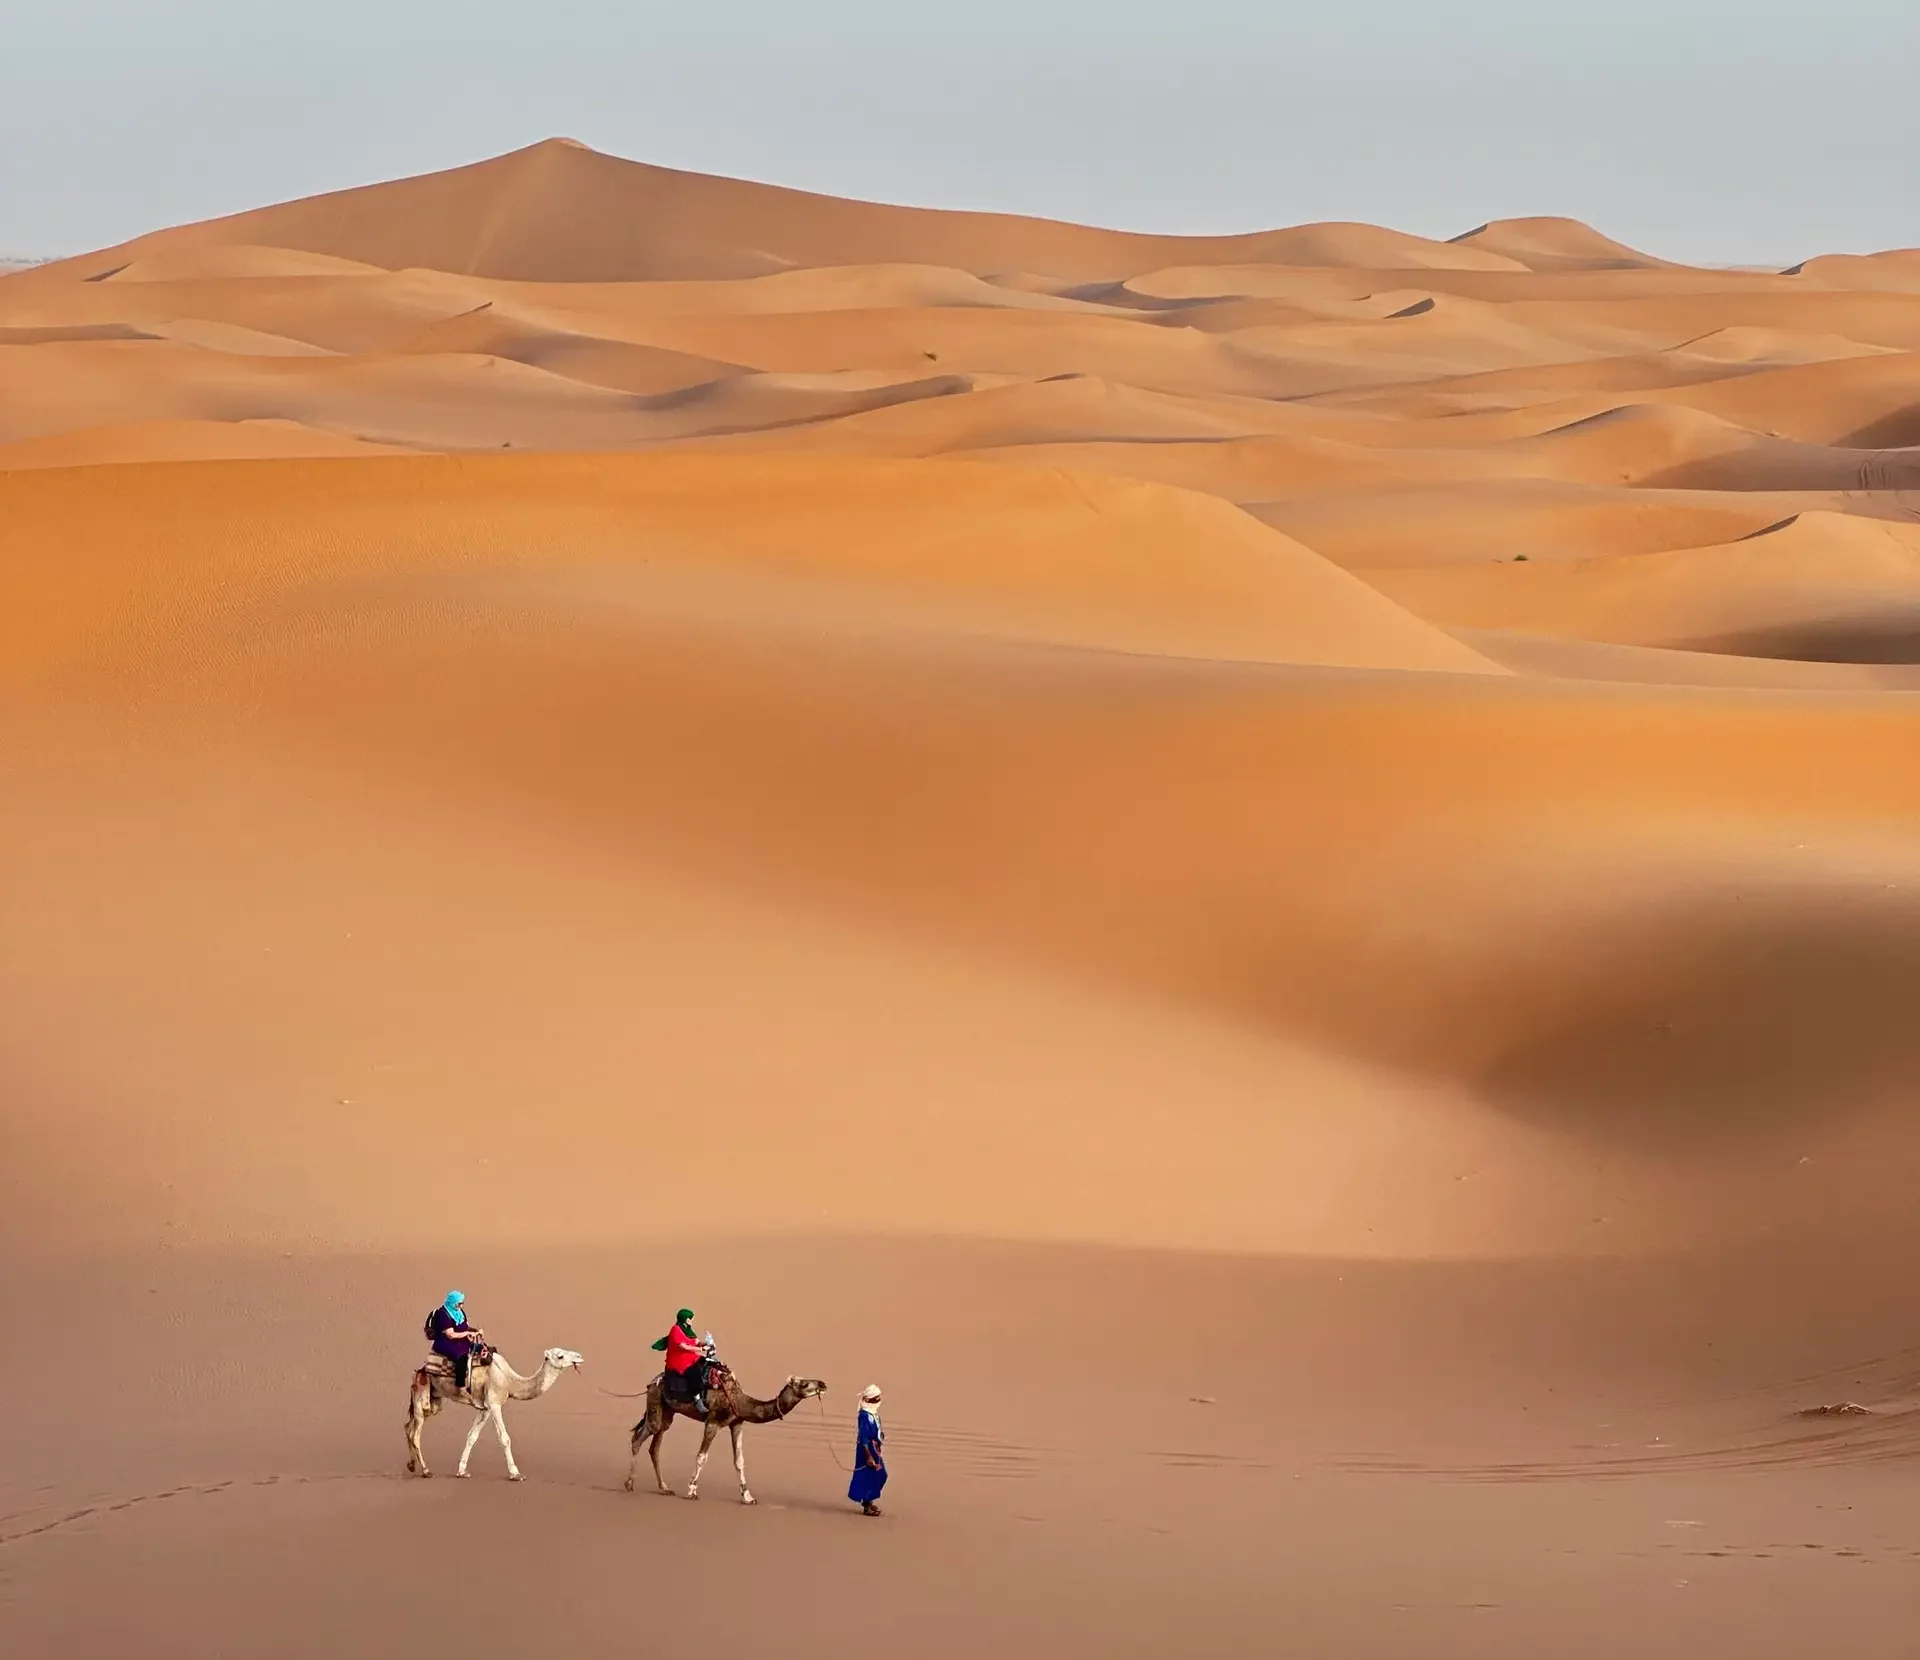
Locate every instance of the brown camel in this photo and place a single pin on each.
(729, 1406)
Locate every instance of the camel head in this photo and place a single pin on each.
(561, 1359)
(804, 1387)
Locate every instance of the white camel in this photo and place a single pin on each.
(489, 1389)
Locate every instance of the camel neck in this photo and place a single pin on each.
(767, 1412)
(524, 1388)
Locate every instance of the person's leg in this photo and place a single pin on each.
(461, 1362)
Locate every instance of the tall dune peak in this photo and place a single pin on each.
(561, 211)
(1552, 242)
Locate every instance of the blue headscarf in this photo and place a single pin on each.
(453, 1302)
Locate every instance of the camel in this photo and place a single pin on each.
(497, 1382)
(728, 1405)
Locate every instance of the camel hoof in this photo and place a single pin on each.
(629, 1484)
(748, 1498)
(693, 1493)
(515, 1475)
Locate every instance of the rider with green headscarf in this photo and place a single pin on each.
(686, 1359)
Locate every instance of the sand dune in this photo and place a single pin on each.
(561, 212)
(1550, 244)
(1895, 269)
(1540, 519)
(1571, 658)
(1031, 554)
(1310, 832)
(184, 440)
(1316, 248)
(1818, 585)
(832, 288)
(621, 365)
(983, 412)
(1865, 402)
(191, 262)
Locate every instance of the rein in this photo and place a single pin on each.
(638, 1394)
(827, 1425)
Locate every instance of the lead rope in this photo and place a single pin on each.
(826, 1425)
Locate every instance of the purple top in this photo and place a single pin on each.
(448, 1338)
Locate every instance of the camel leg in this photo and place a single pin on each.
(706, 1446)
(738, 1432)
(418, 1402)
(641, 1431)
(660, 1435)
(473, 1435)
(499, 1415)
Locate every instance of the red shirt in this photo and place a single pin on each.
(682, 1351)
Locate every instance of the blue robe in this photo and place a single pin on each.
(869, 1461)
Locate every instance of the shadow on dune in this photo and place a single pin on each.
(1699, 1029)
(1768, 463)
(1898, 431)
(1890, 635)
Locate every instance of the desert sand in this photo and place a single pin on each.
(1275, 876)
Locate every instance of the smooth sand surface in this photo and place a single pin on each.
(1274, 876)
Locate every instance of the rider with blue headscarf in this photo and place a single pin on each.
(451, 1336)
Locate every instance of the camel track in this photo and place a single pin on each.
(1897, 483)
(132, 1501)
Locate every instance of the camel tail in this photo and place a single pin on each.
(640, 1434)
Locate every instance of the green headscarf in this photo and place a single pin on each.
(684, 1320)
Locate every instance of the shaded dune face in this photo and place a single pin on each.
(1746, 1029)
(1873, 635)
(1406, 696)
(1743, 1027)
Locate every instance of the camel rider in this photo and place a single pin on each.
(686, 1358)
(451, 1336)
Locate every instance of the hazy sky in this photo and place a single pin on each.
(1717, 130)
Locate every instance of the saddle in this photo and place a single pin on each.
(678, 1386)
(439, 1366)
